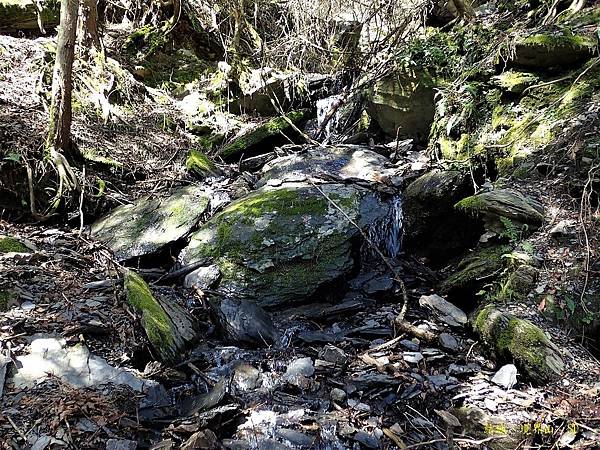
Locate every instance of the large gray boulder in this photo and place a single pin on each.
(150, 224)
(279, 245)
(402, 104)
(338, 163)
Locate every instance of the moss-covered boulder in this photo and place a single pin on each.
(519, 341)
(561, 49)
(149, 224)
(339, 163)
(280, 245)
(432, 227)
(9, 244)
(504, 211)
(474, 270)
(169, 327)
(515, 82)
(22, 15)
(519, 283)
(201, 165)
(248, 141)
(402, 104)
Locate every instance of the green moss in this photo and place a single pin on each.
(6, 297)
(284, 201)
(515, 82)
(155, 320)
(92, 155)
(268, 129)
(560, 40)
(475, 268)
(472, 204)
(199, 163)
(9, 245)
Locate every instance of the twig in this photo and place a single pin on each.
(371, 244)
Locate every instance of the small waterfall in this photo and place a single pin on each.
(324, 106)
(386, 234)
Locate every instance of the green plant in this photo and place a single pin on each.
(511, 231)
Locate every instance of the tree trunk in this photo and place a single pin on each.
(59, 131)
(89, 24)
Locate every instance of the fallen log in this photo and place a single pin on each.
(515, 340)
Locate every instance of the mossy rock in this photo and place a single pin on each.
(544, 50)
(254, 136)
(11, 245)
(502, 208)
(519, 283)
(432, 227)
(201, 165)
(515, 82)
(22, 15)
(402, 104)
(515, 340)
(280, 245)
(476, 269)
(150, 224)
(169, 328)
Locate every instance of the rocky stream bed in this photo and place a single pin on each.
(269, 319)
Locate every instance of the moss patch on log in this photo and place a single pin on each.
(513, 339)
(155, 320)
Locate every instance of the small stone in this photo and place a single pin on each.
(506, 377)
(449, 342)
(366, 439)
(300, 366)
(362, 407)
(120, 444)
(563, 229)
(410, 345)
(333, 354)
(487, 237)
(202, 277)
(412, 357)
(246, 377)
(490, 404)
(446, 311)
(337, 395)
(440, 381)
(27, 306)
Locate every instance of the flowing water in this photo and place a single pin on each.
(386, 234)
(324, 106)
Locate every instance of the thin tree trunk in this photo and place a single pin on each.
(59, 131)
(89, 24)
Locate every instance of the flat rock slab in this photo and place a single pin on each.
(446, 311)
(504, 204)
(76, 366)
(150, 224)
(342, 163)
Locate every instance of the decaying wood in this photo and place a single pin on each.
(515, 340)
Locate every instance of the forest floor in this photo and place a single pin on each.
(339, 376)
